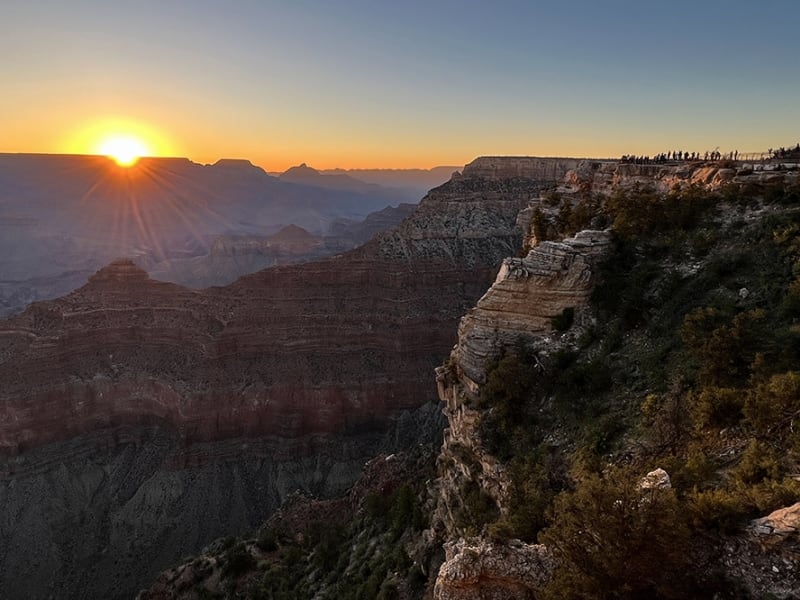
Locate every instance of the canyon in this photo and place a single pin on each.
(140, 420)
(62, 217)
(133, 411)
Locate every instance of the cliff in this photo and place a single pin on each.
(511, 167)
(519, 307)
(549, 382)
(539, 392)
(525, 297)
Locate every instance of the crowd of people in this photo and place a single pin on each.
(784, 153)
(679, 156)
(710, 155)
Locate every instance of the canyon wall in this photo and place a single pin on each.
(139, 419)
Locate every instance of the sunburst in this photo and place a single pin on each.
(124, 149)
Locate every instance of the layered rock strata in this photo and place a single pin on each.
(100, 515)
(286, 379)
(525, 297)
(288, 351)
(531, 167)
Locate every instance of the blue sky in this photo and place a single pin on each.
(357, 83)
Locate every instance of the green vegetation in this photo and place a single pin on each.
(616, 541)
(693, 366)
(570, 218)
(363, 558)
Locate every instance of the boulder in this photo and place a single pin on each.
(779, 529)
(656, 480)
(478, 569)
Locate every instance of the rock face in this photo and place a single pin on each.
(286, 379)
(530, 167)
(521, 305)
(605, 177)
(100, 515)
(480, 570)
(527, 293)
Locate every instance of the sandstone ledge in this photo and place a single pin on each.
(527, 293)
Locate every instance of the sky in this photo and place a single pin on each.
(379, 83)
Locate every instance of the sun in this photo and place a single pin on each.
(126, 150)
(124, 140)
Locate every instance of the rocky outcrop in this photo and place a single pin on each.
(605, 177)
(481, 570)
(527, 294)
(520, 307)
(657, 479)
(764, 558)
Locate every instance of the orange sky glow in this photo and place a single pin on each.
(397, 85)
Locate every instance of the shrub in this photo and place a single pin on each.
(563, 320)
(539, 225)
(477, 508)
(267, 540)
(666, 418)
(535, 481)
(717, 407)
(774, 404)
(718, 509)
(697, 470)
(615, 540)
(725, 349)
(757, 464)
(508, 389)
(238, 560)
